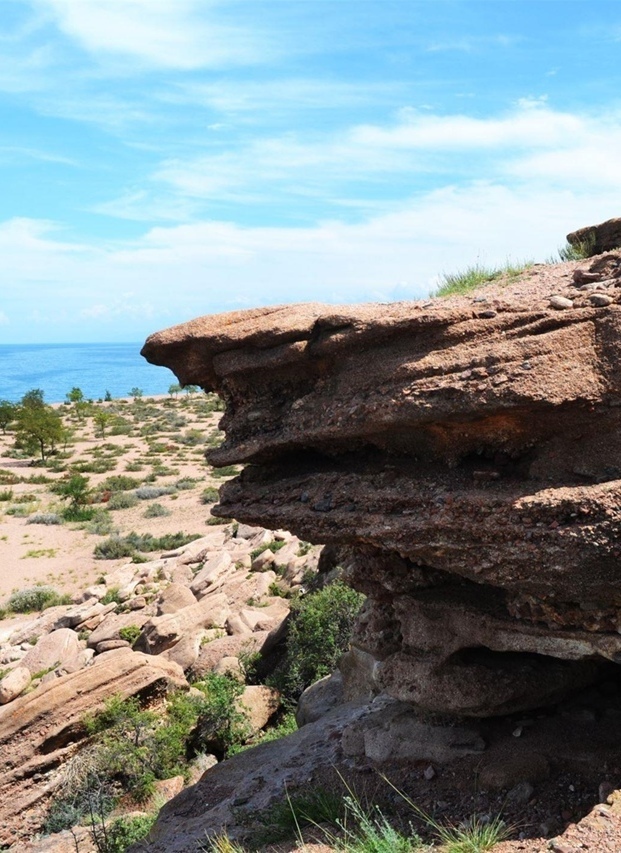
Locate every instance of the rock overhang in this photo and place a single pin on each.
(478, 442)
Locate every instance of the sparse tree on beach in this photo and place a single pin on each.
(8, 412)
(38, 426)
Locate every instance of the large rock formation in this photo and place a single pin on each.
(463, 454)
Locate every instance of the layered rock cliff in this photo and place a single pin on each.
(464, 455)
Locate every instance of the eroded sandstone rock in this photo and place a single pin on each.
(465, 454)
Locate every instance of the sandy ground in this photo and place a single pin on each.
(62, 555)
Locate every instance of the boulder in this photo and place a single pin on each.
(14, 683)
(175, 597)
(598, 238)
(112, 624)
(212, 653)
(318, 699)
(259, 703)
(163, 632)
(214, 567)
(52, 650)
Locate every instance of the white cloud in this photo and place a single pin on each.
(175, 34)
(125, 290)
(520, 143)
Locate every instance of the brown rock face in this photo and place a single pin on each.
(464, 455)
(599, 238)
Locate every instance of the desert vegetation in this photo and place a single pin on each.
(102, 480)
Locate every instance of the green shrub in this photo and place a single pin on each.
(220, 725)
(6, 495)
(191, 438)
(79, 513)
(101, 523)
(112, 595)
(150, 493)
(35, 598)
(319, 631)
(120, 483)
(579, 252)
(274, 546)
(226, 471)
(122, 833)
(45, 518)
(156, 511)
(122, 500)
(210, 495)
(185, 483)
(20, 510)
(130, 633)
(117, 546)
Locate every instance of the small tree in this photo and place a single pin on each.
(8, 411)
(38, 427)
(136, 393)
(75, 489)
(75, 395)
(80, 404)
(191, 389)
(174, 389)
(102, 419)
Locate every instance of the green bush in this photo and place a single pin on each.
(129, 633)
(45, 518)
(319, 631)
(35, 598)
(120, 483)
(150, 493)
(6, 495)
(101, 523)
(20, 510)
(185, 483)
(79, 513)
(210, 495)
(117, 546)
(220, 725)
(274, 546)
(156, 511)
(122, 833)
(122, 500)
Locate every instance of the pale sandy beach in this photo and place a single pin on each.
(62, 554)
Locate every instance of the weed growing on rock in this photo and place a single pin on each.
(454, 284)
(129, 633)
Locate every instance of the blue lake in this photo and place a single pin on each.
(95, 368)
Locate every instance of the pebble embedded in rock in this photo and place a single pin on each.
(600, 300)
(560, 303)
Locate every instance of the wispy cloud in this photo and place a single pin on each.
(530, 141)
(473, 43)
(176, 34)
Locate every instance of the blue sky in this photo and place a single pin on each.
(162, 159)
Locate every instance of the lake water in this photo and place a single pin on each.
(95, 368)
